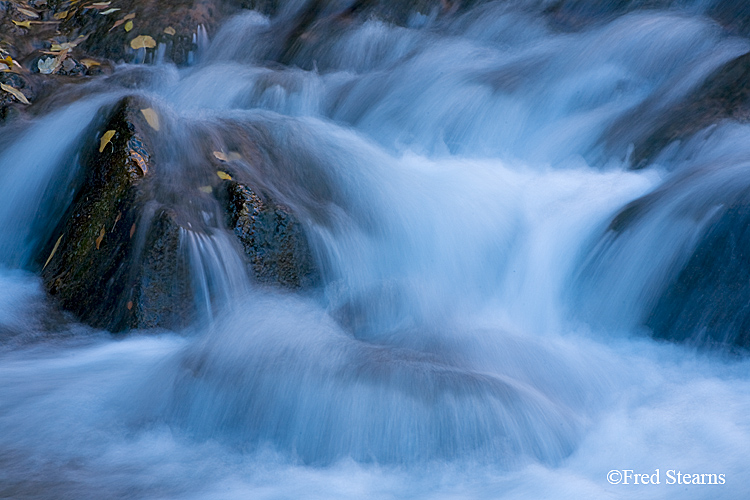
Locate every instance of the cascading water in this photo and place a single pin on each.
(480, 325)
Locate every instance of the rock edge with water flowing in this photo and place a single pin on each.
(116, 260)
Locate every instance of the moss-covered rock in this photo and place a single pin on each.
(116, 265)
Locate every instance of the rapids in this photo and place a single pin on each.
(474, 334)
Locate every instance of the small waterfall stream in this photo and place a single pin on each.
(491, 269)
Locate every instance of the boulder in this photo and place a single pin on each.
(116, 258)
(114, 264)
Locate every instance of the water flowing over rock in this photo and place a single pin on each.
(374, 249)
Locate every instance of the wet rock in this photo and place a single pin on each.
(725, 95)
(116, 263)
(275, 245)
(175, 25)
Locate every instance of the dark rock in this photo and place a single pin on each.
(725, 95)
(699, 221)
(274, 242)
(116, 259)
(116, 264)
(709, 301)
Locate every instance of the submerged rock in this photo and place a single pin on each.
(724, 95)
(685, 250)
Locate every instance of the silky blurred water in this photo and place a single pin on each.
(474, 335)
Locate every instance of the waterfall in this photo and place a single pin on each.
(529, 270)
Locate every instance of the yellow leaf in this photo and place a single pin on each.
(108, 135)
(27, 12)
(90, 63)
(206, 189)
(23, 24)
(16, 93)
(142, 41)
(61, 15)
(223, 175)
(54, 249)
(169, 30)
(151, 117)
(100, 238)
(128, 26)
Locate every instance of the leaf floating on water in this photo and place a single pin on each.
(169, 31)
(142, 42)
(16, 93)
(151, 117)
(223, 175)
(206, 189)
(225, 157)
(100, 238)
(108, 135)
(128, 26)
(27, 12)
(23, 24)
(54, 249)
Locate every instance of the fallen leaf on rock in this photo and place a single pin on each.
(169, 30)
(206, 189)
(108, 11)
(128, 26)
(223, 175)
(100, 238)
(90, 63)
(151, 117)
(27, 12)
(130, 305)
(16, 93)
(23, 24)
(132, 230)
(142, 42)
(61, 15)
(54, 249)
(108, 135)
(49, 65)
